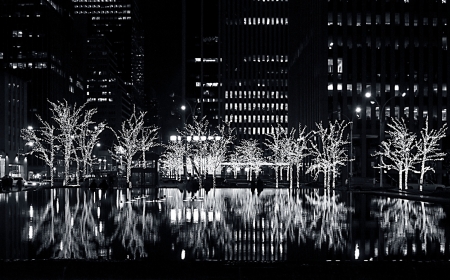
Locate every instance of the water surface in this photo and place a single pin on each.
(223, 225)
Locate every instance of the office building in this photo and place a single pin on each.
(254, 63)
(236, 63)
(115, 64)
(395, 50)
(40, 46)
(13, 118)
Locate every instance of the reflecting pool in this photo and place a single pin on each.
(222, 224)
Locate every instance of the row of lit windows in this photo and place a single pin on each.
(255, 119)
(30, 65)
(199, 84)
(265, 21)
(102, 6)
(256, 106)
(111, 18)
(102, 80)
(100, 99)
(262, 83)
(103, 12)
(257, 21)
(267, 58)
(395, 42)
(387, 87)
(396, 114)
(387, 19)
(198, 59)
(256, 94)
(256, 130)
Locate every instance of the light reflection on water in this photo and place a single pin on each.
(223, 224)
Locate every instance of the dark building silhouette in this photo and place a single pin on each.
(41, 47)
(385, 48)
(115, 59)
(13, 117)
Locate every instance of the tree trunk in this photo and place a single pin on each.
(291, 178)
(276, 176)
(129, 162)
(400, 179)
(422, 174)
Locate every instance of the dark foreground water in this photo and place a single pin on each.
(232, 226)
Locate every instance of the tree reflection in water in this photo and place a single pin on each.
(225, 224)
(327, 220)
(411, 223)
(68, 233)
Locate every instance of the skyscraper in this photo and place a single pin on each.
(40, 47)
(114, 36)
(389, 58)
(254, 63)
(236, 55)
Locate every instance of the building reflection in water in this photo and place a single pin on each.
(224, 224)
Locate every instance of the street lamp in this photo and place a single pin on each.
(375, 101)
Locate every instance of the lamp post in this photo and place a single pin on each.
(373, 101)
(184, 120)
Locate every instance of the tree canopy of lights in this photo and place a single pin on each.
(67, 119)
(132, 138)
(250, 155)
(218, 145)
(328, 151)
(67, 132)
(275, 142)
(44, 143)
(403, 151)
(429, 148)
(398, 151)
(206, 149)
(86, 138)
(172, 159)
(300, 150)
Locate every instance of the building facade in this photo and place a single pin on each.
(395, 50)
(115, 59)
(235, 64)
(41, 47)
(13, 118)
(254, 65)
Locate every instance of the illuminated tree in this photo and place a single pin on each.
(250, 155)
(43, 143)
(218, 144)
(398, 152)
(234, 163)
(300, 150)
(197, 150)
(87, 137)
(275, 143)
(172, 158)
(133, 137)
(328, 151)
(67, 120)
(428, 149)
(289, 145)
